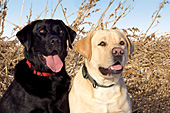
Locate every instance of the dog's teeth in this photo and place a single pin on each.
(43, 58)
(111, 68)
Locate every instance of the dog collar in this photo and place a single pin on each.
(86, 75)
(37, 72)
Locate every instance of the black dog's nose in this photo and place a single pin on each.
(55, 40)
(117, 51)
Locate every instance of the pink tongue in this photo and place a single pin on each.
(54, 62)
(117, 67)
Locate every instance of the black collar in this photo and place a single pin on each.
(86, 75)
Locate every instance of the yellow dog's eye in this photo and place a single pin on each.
(122, 43)
(42, 31)
(102, 44)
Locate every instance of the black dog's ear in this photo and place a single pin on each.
(70, 33)
(71, 36)
(24, 35)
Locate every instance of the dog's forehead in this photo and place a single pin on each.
(108, 35)
(48, 23)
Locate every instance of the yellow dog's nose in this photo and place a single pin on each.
(117, 51)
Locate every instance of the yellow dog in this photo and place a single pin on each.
(99, 87)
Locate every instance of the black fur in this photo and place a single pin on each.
(30, 93)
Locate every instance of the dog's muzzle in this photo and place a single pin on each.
(117, 67)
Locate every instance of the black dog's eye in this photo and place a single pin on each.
(42, 31)
(58, 30)
(61, 31)
(122, 43)
(102, 43)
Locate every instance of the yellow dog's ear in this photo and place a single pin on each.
(130, 45)
(84, 46)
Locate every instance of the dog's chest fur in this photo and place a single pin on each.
(99, 100)
(40, 86)
(35, 93)
(107, 94)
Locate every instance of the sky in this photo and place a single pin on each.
(139, 17)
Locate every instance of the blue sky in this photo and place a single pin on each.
(139, 17)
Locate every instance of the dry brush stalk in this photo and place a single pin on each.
(122, 14)
(59, 1)
(21, 13)
(156, 14)
(64, 12)
(3, 13)
(102, 15)
(46, 9)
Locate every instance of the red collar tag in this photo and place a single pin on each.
(37, 72)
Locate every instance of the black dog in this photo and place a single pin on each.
(41, 83)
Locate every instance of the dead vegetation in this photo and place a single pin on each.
(147, 73)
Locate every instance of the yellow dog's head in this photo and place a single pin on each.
(106, 51)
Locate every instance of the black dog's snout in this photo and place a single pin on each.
(55, 40)
(117, 51)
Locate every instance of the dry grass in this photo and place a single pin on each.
(147, 73)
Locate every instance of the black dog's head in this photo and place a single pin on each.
(45, 43)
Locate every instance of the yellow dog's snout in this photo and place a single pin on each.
(117, 51)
